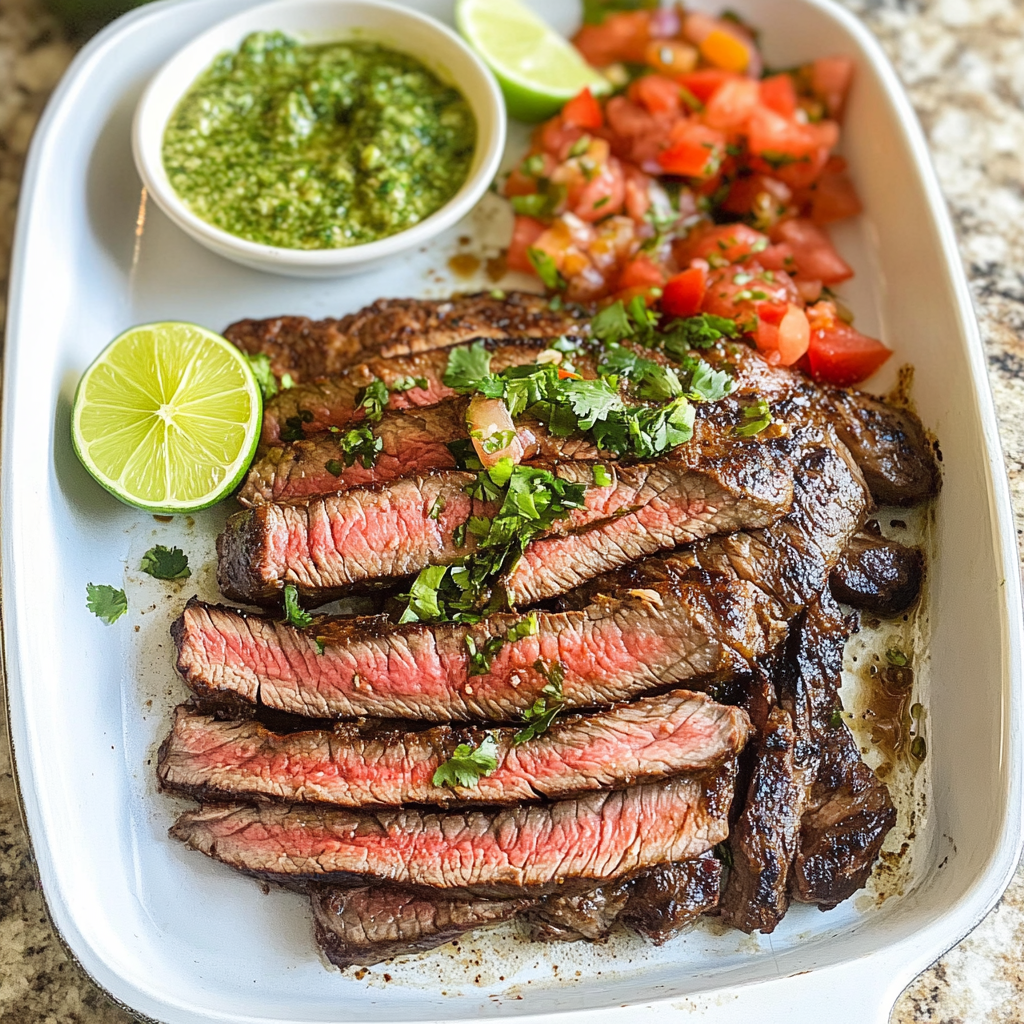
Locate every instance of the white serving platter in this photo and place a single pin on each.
(181, 939)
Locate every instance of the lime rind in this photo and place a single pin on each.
(167, 417)
(538, 70)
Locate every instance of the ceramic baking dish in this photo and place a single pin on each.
(179, 938)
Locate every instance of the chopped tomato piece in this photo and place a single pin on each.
(620, 37)
(602, 194)
(525, 232)
(670, 57)
(793, 152)
(641, 272)
(684, 293)
(842, 356)
(779, 94)
(638, 193)
(814, 255)
(809, 289)
(702, 84)
(782, 339)
(830, 82)
(637, 134)
(729, 242)
(557, 138)
(764, 199)
(583, 111)
(695, 151)
(660, 95)
(519, 184)
(738, 292)
(834, 198)
(731, 105)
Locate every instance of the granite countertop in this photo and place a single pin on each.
(963, 64)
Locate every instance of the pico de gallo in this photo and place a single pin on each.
(703, 184)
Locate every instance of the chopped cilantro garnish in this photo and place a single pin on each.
(166, 563)
(408, 383)
(494, 442)
(373, 399)
(467, 366)
(359, 443)
(602, 478)
(896, 658)
(546, 269)
(105, 602)
(260, 366)
(480, 658)
(437, 508)
(530, 626)
(539, 716)
(468, 765)
(293, 613)
(334, 467)
(836, 719)
(533, 165)
(423, 595)
(758, 417)
(292, 430)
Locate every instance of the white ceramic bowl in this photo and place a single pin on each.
(314, 21)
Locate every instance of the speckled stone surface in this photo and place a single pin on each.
(963, 64)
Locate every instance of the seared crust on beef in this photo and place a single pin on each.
(666, 900)
(615, 649)
(878, 575)
(529, 850)
(654, 738)
(308, 349)
(372, 923)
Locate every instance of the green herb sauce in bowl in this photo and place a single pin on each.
(317, 146)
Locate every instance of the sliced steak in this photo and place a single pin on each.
(308, 349)
(878, 575)
(372, 923)
(412, 443)
(667, 899)
(764, 838)
(654, 738)
(791, 560)
(310, 408)
(613, 650)
(379, 535)
(585, 915)
(525, 850)
(848, 811)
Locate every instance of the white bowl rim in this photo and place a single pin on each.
(151, 168)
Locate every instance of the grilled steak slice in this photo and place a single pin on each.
(308, 349)
(529, 850)
(764, 838)
(370, 536)
(848, 811)
(310, 408)
(878, 575)
(613, 650)
(574, 916)
(412, 443)
(654, 738)
(667, 899)
(373, 923)
(790, 561)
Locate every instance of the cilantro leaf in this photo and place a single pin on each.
(707, 384)
(260, 366)
(612, 324)
(293, 429)
(591, 400)
(408, 383)
(293, 613)
(758, 417)
(373, 399)
(424, 604)
(105, 602)
(602, 478)
(467, 366)
(701, 331)
(896, 657)
(480, 658)
(546, 269)
(437, 507)
(334, 467)
(360, 443)
(651, 381)
(542, 713)
(166, 563)
(530, 626)
(468, 765)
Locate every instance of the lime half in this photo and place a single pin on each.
(538, 70)
(168, 417)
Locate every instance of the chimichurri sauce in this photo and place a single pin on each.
(317, 147)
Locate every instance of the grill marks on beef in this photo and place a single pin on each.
(308, 349)
(523, 850)
(654, 738)
(368, 535)
(369, 924)
(613, 650)
(878, 575)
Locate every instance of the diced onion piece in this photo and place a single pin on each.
(485, 418)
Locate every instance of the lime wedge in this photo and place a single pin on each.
(537, 69)
(168, 417)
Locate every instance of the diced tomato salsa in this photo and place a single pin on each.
(701, 184)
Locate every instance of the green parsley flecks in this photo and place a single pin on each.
(551, 702)
(293, 613)
(468, 765)
(317, 147)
